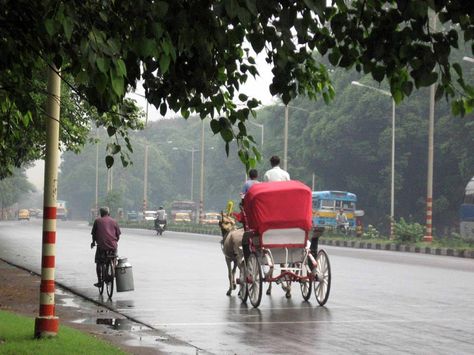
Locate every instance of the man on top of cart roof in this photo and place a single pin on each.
(276, 173)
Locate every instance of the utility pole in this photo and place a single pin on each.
(201, 192)
(47, 324)
(428, 237)
(285, 141)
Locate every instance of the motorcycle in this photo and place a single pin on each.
(160, 227)
(344, 228)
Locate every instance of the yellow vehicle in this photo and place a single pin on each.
(182, 217)
(211, 218)
(23, 214)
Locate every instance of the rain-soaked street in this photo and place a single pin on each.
(380, 302)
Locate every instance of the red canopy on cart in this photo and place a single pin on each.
(278, 205)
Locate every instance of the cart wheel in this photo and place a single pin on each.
(306, 285)
(254, 272)
(322, 284)
(243, 292)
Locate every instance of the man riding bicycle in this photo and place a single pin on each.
(106, 233)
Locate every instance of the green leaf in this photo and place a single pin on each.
(109, 161)
(111, 130)
(227, 135)
(121, 68)
(243, 97)
(164, 63)
(428, 79)
(49, 25)
(102, 65)
(68, 26)
(185, 113)
(117, 85)
(163, 109)
(146, 47)
(215, 126)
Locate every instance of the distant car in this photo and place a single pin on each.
(182, 217)
(132, 216)
(150, 215)
(24, 214)
(211, 218)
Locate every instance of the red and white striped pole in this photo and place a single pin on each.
(47, 324)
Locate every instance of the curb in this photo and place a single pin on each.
(460, 253)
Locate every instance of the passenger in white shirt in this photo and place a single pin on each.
(276, 173)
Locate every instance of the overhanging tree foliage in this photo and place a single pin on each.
(193, 56)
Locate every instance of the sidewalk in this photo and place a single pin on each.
(19, 293)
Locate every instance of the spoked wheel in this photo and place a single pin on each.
(109, 278)
(254, 273)
(101, 278)
(306, 285)
(322, 284)
(243, 291)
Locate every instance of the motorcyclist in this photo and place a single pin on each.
(161, 218)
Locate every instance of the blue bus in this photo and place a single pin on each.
(326, 204)
(466, 212)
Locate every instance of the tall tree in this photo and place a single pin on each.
(193, 55)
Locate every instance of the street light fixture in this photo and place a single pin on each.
(392, 185)
(468, 59)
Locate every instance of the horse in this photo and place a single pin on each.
(231, 245)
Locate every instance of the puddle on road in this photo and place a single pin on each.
(138, 335)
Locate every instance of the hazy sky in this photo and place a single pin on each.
(257, 88)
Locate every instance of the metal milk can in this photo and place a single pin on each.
(124, 275)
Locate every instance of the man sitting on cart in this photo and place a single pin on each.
(276, 173)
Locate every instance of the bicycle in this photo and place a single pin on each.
(107, 273)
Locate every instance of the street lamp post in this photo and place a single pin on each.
(392, 184)
(192, 151)
(285, 132)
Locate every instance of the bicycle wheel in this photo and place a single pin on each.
(243, 291)
(305, 285)
(101, 278)
(322, 284)
(254, 271)
(109, 278)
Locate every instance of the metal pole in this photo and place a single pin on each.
(97, 174)
(192, 174)
(312, 183)
(429, 193)
(145, 179)
(47, 324)
(201, 198)
(392, 190)
(285, 141)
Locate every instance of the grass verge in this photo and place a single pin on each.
(16, 337)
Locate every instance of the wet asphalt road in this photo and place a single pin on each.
(381, 302)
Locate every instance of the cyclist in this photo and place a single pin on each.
(106, 233)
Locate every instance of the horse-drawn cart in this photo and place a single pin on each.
(277, 221)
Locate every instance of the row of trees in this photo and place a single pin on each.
(345, 144)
